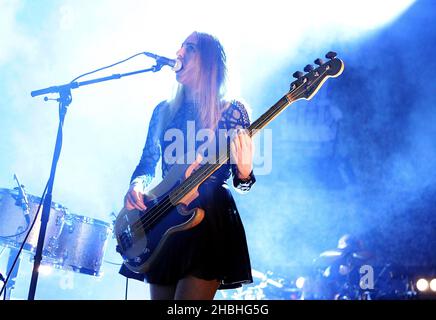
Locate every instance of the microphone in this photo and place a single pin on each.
(175, 65)
(24, 201)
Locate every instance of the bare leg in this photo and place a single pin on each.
(193, 288)
(162, 292)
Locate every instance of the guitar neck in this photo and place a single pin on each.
(269, 115)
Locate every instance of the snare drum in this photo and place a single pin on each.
(82, 244)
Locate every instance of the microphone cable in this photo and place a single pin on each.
(103, 68)
(2, 279)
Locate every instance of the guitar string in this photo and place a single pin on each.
(152, 217)
(166, 204)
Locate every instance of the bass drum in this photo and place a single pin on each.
(81, 245)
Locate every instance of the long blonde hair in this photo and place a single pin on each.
(211, 82)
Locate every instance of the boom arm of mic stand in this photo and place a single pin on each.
(74, 85)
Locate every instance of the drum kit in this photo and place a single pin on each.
(72, 242)
(343, 273)
(347, 273)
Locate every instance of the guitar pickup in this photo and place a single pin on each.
(126, 241)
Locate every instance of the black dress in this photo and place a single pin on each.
(216, 248)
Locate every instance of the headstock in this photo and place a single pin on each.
(308, 84)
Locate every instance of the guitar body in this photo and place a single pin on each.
(141, 235)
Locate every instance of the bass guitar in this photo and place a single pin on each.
(141, 235)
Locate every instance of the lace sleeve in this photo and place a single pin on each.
(236, 117)
(145, 170)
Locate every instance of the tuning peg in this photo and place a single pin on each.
(298, 74)
(308, 68)
(331, 55)
(294, 85)
(319, 62)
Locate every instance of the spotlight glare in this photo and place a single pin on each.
(433, 285)
(45, 270)
(422, 284)
(299, 283)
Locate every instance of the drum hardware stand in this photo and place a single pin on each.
(13, 265)
(24, 201)
(10, 282)
(14, 258)
(64, 100)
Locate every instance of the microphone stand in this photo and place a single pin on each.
(64, 101)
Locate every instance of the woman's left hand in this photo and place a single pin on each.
(241, 152)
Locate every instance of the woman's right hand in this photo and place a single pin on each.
(134, 198)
